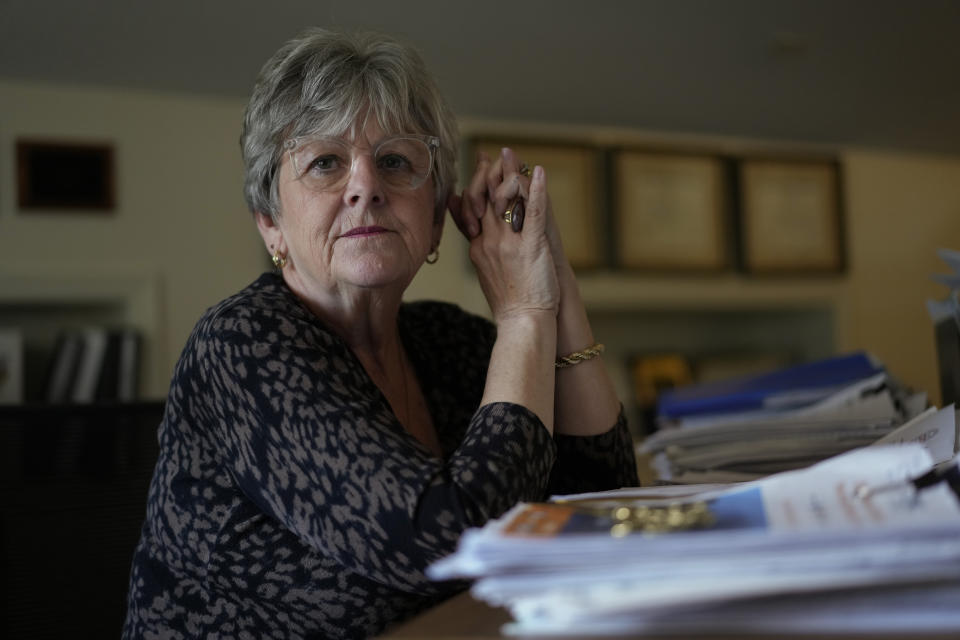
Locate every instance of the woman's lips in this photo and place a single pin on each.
(364, 231)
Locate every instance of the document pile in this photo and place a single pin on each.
(748, 427)
(865, 541)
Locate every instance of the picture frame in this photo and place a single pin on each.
(791, 218)
(62, 175)
(670, 211)
(576, 193)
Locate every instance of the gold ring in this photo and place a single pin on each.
(508, 216)
(524, 170)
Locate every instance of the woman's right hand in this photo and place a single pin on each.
(516, 269)
(519, 279)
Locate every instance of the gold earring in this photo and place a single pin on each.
(279, 260)
(433, 256)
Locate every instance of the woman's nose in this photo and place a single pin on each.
(364, 184)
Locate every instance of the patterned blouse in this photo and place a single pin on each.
(289, 502)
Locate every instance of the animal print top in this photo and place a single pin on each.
(289, 502)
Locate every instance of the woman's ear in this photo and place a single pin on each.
(270, 232)
(440, 216)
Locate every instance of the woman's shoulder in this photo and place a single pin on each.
(264, 306)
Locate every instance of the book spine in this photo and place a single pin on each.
(63, 371)
(110, 369)
(129, 366)
(88, 373)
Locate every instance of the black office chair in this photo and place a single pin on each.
(73, 486)
(947, 336)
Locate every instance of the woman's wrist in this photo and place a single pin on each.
(533, 331)
(526, 318)
(521, 364)
(573, 326)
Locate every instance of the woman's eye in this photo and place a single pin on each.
(324, 163)
(394, 162)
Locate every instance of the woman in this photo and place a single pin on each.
(323, 443)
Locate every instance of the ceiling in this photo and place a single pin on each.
(876, 73)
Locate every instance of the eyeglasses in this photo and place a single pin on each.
(324, 163)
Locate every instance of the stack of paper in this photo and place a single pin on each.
(745, 428)
(847, 544)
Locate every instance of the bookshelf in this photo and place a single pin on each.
(44, 304)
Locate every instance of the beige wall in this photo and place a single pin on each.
(180, 230)
(180, 238)
(900, 209)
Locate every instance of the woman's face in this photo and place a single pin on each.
(363, 234)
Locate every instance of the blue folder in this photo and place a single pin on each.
(784, 388)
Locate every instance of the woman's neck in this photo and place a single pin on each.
(364, 318)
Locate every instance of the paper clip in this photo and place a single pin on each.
(949, 474)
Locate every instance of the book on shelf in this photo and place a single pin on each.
(94, 364)
(11, 366)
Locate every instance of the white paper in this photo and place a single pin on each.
(935, 429)
(813, 535)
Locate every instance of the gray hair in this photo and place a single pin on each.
(323, 81)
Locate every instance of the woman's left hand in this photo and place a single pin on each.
(515, 269)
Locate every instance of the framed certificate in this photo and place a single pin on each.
(670, 211)
(573, 182)
(790, 217)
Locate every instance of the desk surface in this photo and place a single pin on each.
(458, 617)
(464, 617)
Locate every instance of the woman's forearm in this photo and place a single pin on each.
(521, 364)
(586, 401)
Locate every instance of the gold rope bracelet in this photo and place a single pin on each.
(579, 356)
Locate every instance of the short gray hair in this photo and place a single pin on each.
(323, 81)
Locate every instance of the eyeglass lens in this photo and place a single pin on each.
(325, 163)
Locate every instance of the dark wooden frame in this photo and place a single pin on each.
(59, 175)
(680, 256)
(585, 245)
(815, 244)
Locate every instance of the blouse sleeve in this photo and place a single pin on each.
(583, 463)
(595, 463)
(312, 444)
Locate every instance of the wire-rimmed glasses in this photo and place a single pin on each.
(324, 163)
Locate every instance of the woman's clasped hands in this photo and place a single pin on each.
(516, 269)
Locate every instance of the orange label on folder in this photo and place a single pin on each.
(539, 520)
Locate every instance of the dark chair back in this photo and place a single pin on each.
(948, 360)
(73, 486)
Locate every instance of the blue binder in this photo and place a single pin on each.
(784, 388)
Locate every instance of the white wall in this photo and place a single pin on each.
(180, 225)
(181, 238)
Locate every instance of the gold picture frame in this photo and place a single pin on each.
(790, 217)
(573, 181)
(670, 211)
